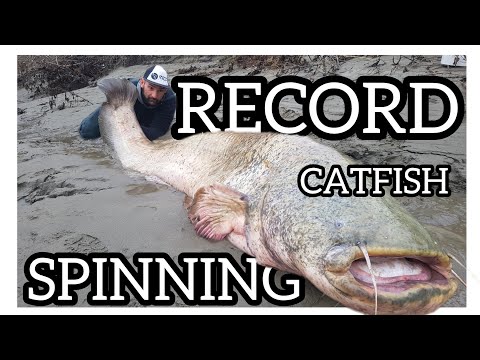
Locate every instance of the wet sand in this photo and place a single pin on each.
(73, 197)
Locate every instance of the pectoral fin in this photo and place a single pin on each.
(217, 211)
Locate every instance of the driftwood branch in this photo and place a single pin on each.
(81, 97)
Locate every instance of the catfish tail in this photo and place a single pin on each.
(118, 92)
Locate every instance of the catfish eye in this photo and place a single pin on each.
(338, 224)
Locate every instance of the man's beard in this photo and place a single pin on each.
(152, 102)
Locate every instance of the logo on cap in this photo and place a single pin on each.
(157, 76)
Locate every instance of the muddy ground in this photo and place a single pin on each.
(73, 197)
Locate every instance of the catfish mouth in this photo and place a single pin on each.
(404, 282)
(399, 274)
